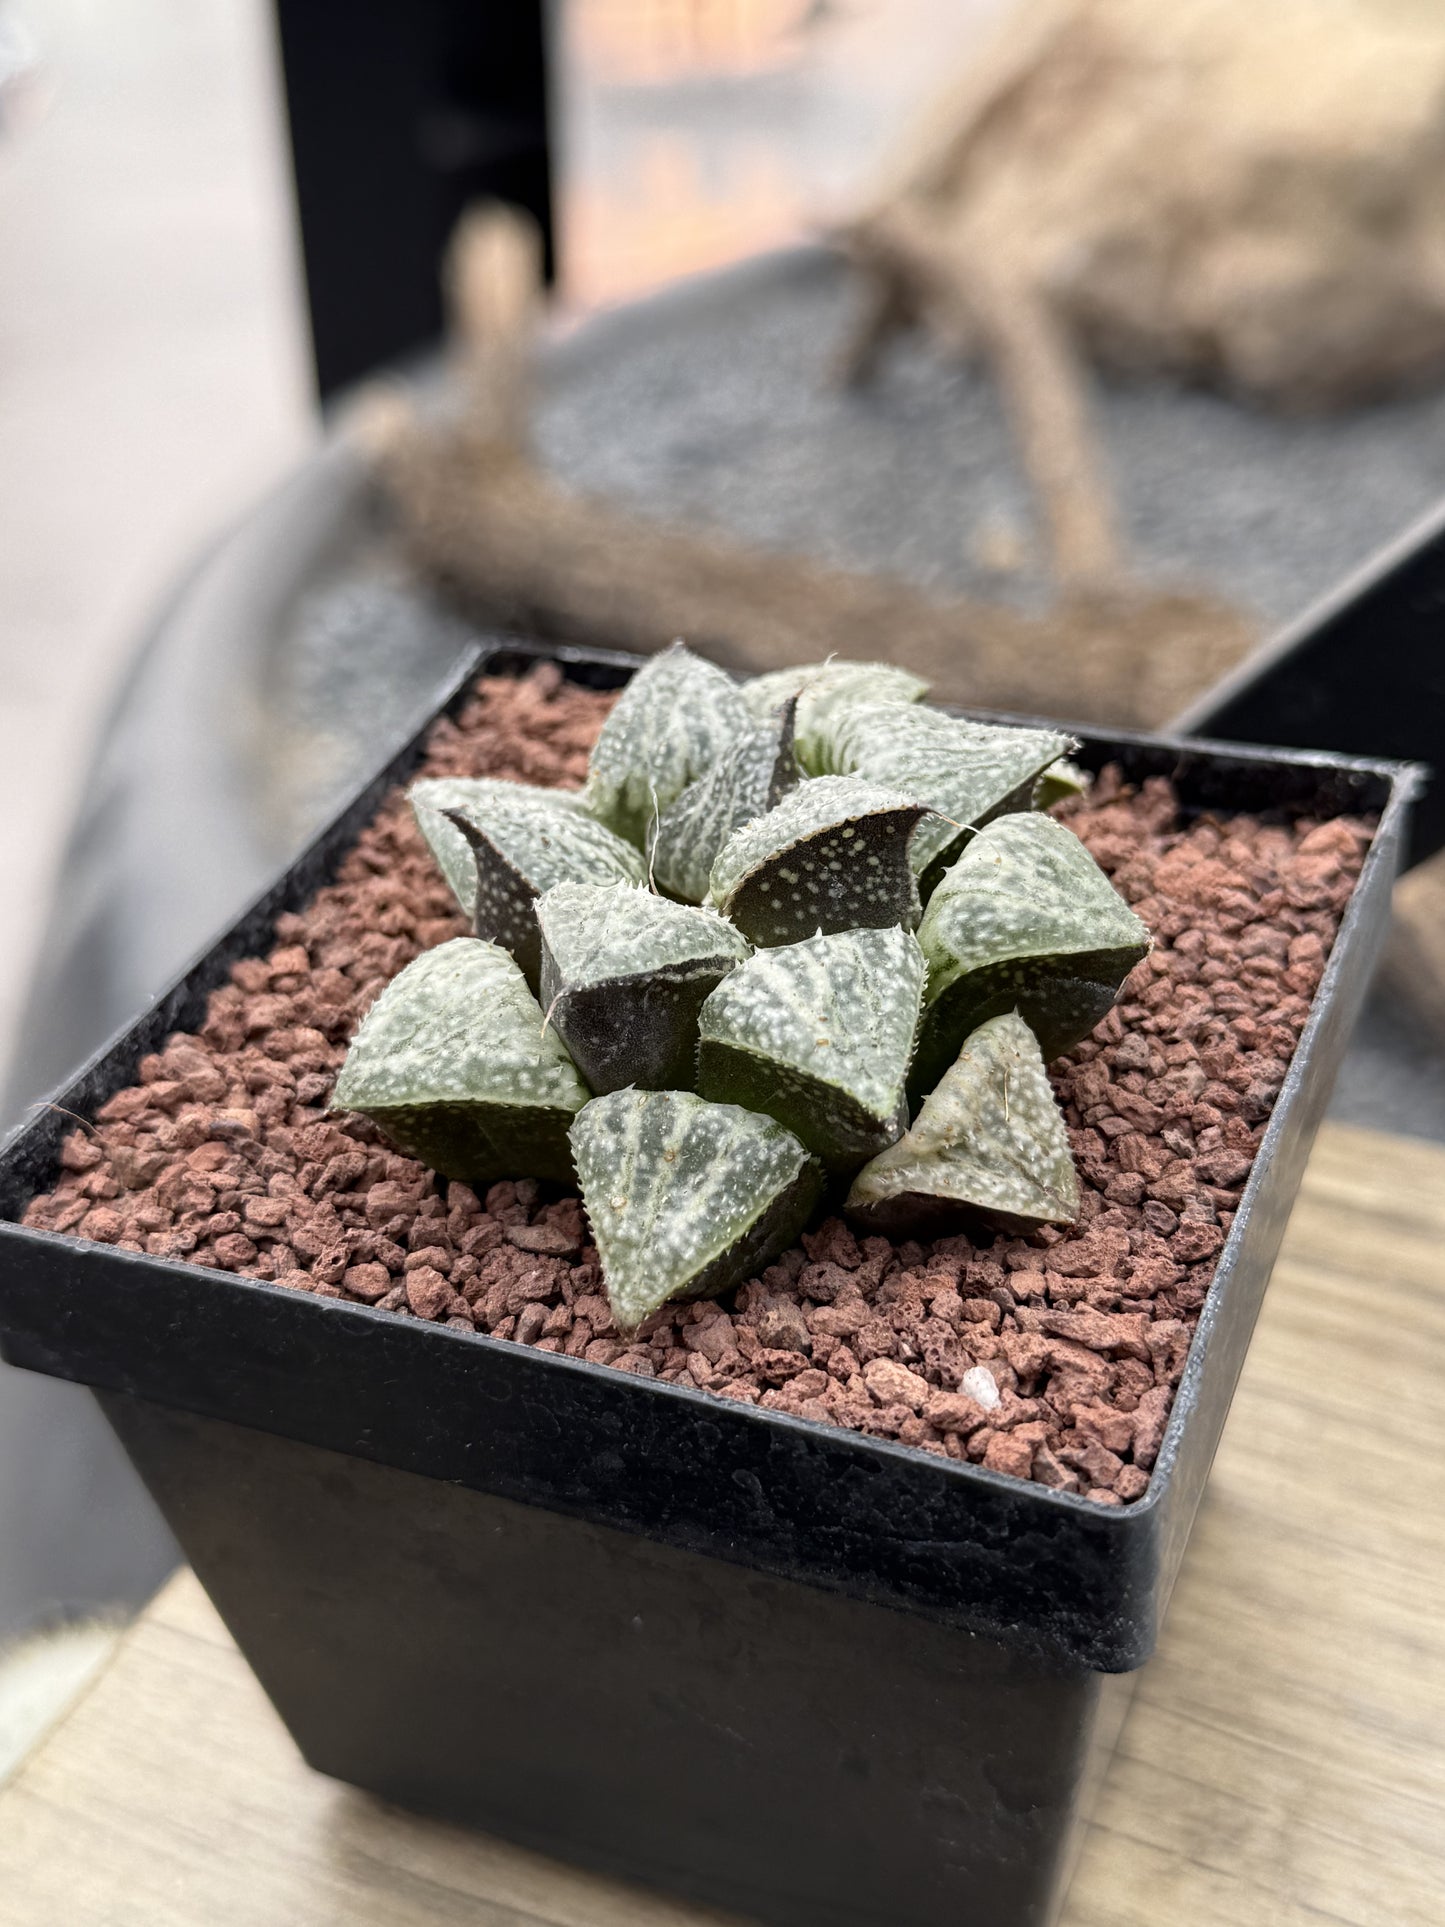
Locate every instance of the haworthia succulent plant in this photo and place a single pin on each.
(1060, 780)
(521, 846)
(746, 781)
(686, 1198)
(671, 723)
(989, 1143)
(819, 1035)
(826, 691)
(624, 975)
(833, 855)
(453, 1064)
(799, 814)
(471, 795)
(1024, 920)
(968, 772)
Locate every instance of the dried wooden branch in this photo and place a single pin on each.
(477, 511)
(1231, 193)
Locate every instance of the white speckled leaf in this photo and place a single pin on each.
(1058, 781)
(819, 1035)
(833, 855)
(671, 723)
(471, 795)
(520, 848)
(596, 933)
(968, 772)
(453, 1064)
(1024, 920)
(624, 975)
(745, 782)
(989, 1142)
(686, 1198)
(826, 691)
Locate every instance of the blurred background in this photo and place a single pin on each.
(1073, 364)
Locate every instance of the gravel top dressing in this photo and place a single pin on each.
(1052, 1357)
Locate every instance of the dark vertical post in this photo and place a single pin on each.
(402, 112)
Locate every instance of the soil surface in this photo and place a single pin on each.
(1052, 1357)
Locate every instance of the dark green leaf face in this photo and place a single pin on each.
(519, 849)
(819, 1034)
(1024, 920)
(833, 855)
(745, 782)
(672, 722)
(826, 692)
(453, 1064)
(989, 1143)
(624, 975)
(968, 772)
(686, 1198)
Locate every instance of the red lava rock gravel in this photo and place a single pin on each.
(1052, 1357)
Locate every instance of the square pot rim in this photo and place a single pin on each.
(1128, 1523)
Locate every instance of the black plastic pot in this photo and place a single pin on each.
(1363, 668)
(814, 1677)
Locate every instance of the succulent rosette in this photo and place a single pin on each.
(797, 939)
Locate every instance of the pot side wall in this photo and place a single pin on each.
(803, 1758)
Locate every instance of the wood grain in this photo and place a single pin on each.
(1283, 1764)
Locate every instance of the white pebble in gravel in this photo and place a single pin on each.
(979, 1382)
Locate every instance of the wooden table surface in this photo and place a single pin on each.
(1284, 1761)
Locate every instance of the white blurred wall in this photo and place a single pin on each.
(153, 380)
(153, 373)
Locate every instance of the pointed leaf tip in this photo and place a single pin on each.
(434, 797)
(624, 975)
(745, 782)
(968, 772)
(819, 1035)
(452, 1063)
(520, 842)
(671, 723)
(1061, 782)
(685, 1198)
(990, 1143)
(833, 855)
(826, 692)
(1024, 920)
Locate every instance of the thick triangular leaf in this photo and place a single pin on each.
(671, 723)
(1025, 920)
(472, 795)
(685, 1198)
(968, 772)
(1060, 780)
(624, 975)
(826, 691)
(520, 848)
(819, 1035)
(453, 1064)
(833, 855)
(989, 1143)
(745, 782)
